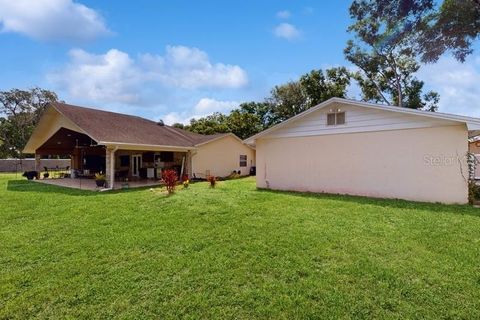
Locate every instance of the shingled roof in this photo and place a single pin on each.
(110, 127)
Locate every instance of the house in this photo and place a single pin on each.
(350, 147)
(125, 146)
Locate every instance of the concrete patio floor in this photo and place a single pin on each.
(89, 184)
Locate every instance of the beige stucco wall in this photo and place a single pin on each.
(221, 157)
(413, 164)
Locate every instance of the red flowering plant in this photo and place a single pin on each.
(213, 181)
(170, 179)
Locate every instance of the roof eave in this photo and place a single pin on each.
(469, 121)
(147, 147)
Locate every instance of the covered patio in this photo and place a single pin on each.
(126, 150)
(123, 165)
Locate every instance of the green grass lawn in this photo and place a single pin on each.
(232, 252)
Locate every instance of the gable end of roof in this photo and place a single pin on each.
(472, 123)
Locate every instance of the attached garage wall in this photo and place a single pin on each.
(221, 157)
(413, 164)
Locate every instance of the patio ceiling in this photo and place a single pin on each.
(64, 141)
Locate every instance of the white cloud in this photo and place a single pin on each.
(176, 117)
(457, 83)
(109, 77)
(287, 31)
(203, 108)
(51, 20)
(208, 105)
(116, 77)
(190, 68)
(284, 14)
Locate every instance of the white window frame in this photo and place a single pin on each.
(241, 161)
(336, 112)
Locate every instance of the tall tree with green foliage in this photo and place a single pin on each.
(214, 123)
(243, 124)
(311, 89)
(453, 26)
(288, 100)
(263, 111)
(434, 28)
(285, 101)
(383, 51)
(20, 111)
(320, 86)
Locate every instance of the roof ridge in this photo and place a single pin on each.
(101, 110)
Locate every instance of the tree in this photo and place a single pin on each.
(454, 26)
(20, 110)
(244, 124)
(320, 87)
(286, 101)
(215, 123)
(383, 52)
(313, 88)
(435, 29)
(178, 125)
(264, 111)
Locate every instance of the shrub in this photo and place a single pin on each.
(99, 176)
(170, 179)
(473, 192)
(212, 180)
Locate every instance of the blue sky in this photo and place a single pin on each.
(180, 59)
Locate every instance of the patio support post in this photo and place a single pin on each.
(110, 166)
(188, 164)
(37, 162)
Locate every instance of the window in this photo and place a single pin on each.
(335, 118)
(331, 119)
(243, 160)
(340, 118)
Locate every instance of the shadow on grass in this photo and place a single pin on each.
(382, 202)
(31, 186)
